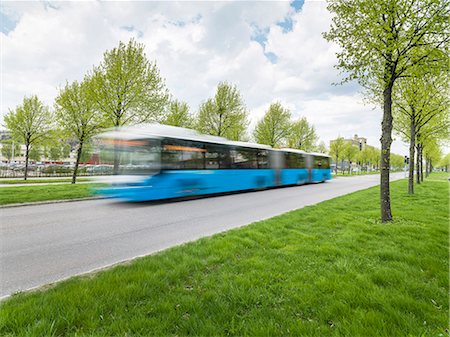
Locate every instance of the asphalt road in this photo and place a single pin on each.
(41, 244)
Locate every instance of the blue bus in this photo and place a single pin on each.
(153, 162)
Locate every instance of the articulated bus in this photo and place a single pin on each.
(153, 162)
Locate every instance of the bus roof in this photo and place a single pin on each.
(159, 131)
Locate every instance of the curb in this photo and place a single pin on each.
(49, 202)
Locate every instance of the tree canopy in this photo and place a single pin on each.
(302, 135)
(274, 128)
(178, 115)
(127, 88)
(225, 115)
(29, 124)
(77, 115)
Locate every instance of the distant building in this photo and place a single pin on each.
(5, 135)
(360, 142)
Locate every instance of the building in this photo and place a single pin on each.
(360, 142)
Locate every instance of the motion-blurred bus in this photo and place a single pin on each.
(153, 162)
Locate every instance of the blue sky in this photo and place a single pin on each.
(272, 51)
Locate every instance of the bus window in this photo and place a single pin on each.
(294, 160)
(321, 162)
(179, 155)
(216, 157)
(263, 159)
(243, 158)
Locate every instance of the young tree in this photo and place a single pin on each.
(127, 88)
(10, 149)
(302, 136)
(77, 115)
(397, 161)
(178, 115)
(29, 124)
(225, 115)
(274, 128)
(383, 40)
(54, 152)
(420, 103)
(445, 162)
(321, 148)
(433, 155)
(36, 153)
(336, 150)
(350, 153)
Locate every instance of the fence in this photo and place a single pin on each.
(53, 171)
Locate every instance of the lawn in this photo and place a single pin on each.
(326, 270)
(20, 194)
(441, 176)
(36, 181)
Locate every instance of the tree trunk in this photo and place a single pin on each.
(75, 170)
(386, 141)
(27, 153)
(417, 165)
(421, 162)
(412, 140)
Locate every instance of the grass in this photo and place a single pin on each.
(35, 181)
(20, 194)
(438, 176)
(326, 270)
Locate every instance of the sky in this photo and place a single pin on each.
(271, 50)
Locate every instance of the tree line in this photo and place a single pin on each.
(398, 50)
(367, 156)
(127, 89)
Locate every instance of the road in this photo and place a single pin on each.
(41, 244)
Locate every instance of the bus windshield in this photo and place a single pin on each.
(131, 157)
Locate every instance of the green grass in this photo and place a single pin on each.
(35, 181)
(441, 176)
(326, 270)
(20, 194)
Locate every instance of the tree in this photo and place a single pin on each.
(397, 161)
(433, 155)
(86, 153)
(36, 153)
(127, 88)
(445, 162)
(54, 152)
(420, 102)
(364, 156)
(349, 153)
(336, 150)
(384, 40)
(321, 148)
(375, 157)
(225, 115)
(29, 124)
(274, 128)
(178, 115)
(10, 149)
(302, 136)
(77, 115)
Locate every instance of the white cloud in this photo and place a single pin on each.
(196, 45)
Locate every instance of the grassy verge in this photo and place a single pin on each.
(441, 176)
(326, 270)
(19, 194)
(35, 181)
